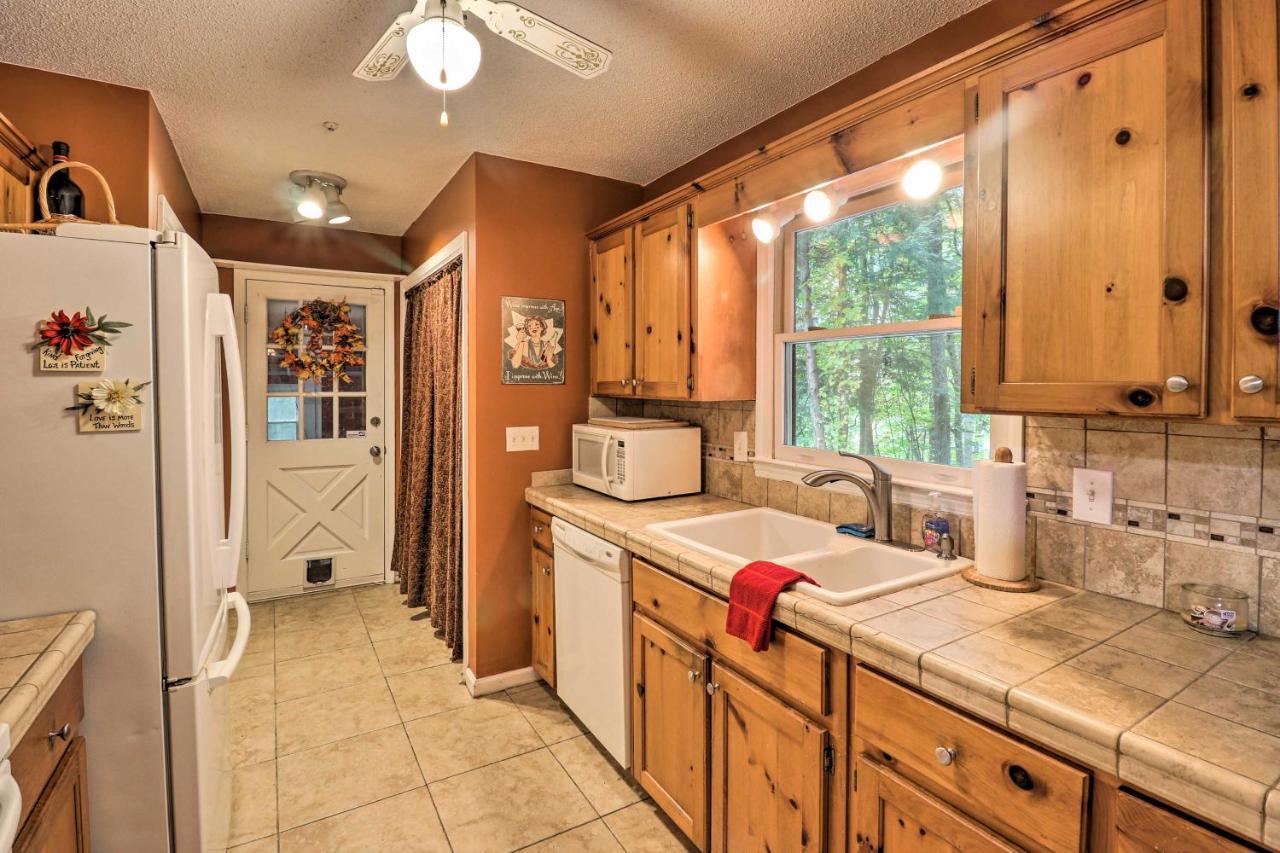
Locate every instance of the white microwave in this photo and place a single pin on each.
(636, 464)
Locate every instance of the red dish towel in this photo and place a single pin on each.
(752, 593)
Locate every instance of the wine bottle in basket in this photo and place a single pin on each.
(64, 195)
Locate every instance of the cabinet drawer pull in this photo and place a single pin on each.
(538, 528)
(63, 733)
(946, 755)
(694, 675)
(1019, 776)
(1177, 383)
(1251, 383)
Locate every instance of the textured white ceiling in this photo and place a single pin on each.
(244, 86)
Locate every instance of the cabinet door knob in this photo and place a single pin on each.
(1251, 383)
(63, 733)
(1177, 383)
(694, 675)
(946, 755)
(546, 570)
(712, 687)
(538, 528)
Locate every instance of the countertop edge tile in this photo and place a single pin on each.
(22, 702)
(1100, 744)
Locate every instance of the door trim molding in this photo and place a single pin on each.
(241, 273)
(458, 247)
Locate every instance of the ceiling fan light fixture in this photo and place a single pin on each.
(442, 51)
(818, 206)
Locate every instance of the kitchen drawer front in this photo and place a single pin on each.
(540, 528)
(792, 666)
(37, 754)
(1021, 792)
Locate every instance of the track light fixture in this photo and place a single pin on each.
(320, 197)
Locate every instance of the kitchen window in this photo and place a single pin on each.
(866, 340)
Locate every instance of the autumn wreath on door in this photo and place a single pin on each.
(319, 340)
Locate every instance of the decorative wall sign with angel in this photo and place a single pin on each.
(531, 351)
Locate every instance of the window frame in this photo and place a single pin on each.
(871, 189)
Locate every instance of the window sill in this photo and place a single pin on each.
(905, 491)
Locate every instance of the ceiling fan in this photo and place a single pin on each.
(434, 39)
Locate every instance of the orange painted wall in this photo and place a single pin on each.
(967, 31)
(165, 176)
(526, 229)
(106, 126)
(261, 241)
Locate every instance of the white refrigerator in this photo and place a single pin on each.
(131, 524)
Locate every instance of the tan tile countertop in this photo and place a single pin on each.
(1120, 686)
(35, 655)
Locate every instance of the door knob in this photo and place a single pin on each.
(1177, 383)
(375, 451)
(945, 755)
(1251, 383)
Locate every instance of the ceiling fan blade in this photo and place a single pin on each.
(545, 38)
(388, 55)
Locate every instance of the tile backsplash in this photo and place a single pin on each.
(1192, 502)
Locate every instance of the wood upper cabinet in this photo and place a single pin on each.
(1086, 222)
(543, 607)
(674, 309)
(669, 725)
(612, 314)
(768, 771)
(892, 815)
(662, 329)
(1246, 316)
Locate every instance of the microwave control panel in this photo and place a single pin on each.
(620, 462)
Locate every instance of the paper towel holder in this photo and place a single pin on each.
(1029, 583)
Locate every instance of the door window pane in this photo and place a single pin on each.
(350, 415)
(356, 372)
(896, 396)
(282, 418)
(893, 264)
(357, 317)
(314, 386)
(279, 378)
(318, 417)
(277, 310)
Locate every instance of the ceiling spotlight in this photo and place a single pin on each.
(818, 206)
(321, 196)
(443, 53)
(763, 229)
(922, 179)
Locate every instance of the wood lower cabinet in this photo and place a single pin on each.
(1086, 222)
(670, 717)
(769, 770)
(1142, 826)
(59, 820)
(893, 815)
(542, 599)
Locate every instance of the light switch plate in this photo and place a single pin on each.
(521, 439)
(1091, 492)
(740, 451)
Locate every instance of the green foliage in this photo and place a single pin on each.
(891, 395)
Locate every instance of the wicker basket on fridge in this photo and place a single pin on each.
(50, 222)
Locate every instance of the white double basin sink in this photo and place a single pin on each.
(847, 569)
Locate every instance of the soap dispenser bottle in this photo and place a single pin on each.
(934, 525)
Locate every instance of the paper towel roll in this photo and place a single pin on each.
(1000, 519)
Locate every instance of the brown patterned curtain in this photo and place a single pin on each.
(428, 541)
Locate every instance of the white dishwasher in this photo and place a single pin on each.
(593, 635)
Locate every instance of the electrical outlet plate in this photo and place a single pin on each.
(521, 439)
(740, 451)
(1091, 493)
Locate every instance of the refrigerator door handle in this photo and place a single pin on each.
(220, 673)
(221, 322)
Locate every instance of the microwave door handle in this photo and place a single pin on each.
(604, 463)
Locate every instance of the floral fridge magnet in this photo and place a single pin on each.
(531, 351)
(319, 340)
(109, 405)
(75, 343)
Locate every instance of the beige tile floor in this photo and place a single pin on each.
(352, 731)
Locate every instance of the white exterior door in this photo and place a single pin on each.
(316, 451)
